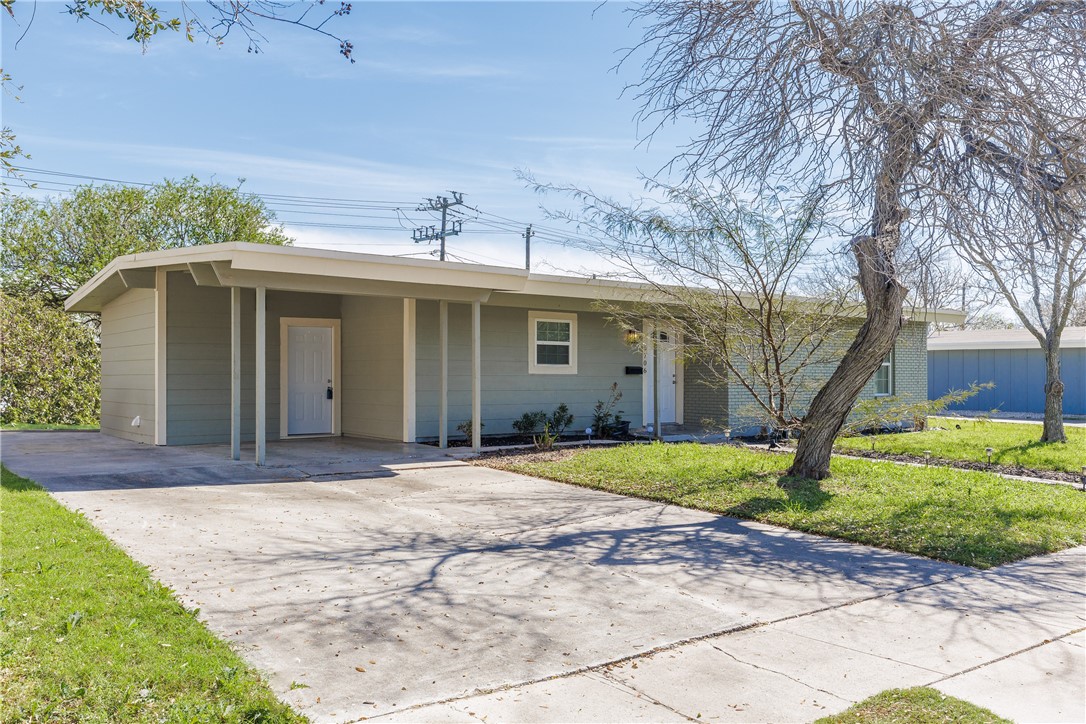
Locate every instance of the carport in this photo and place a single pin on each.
(189, 334)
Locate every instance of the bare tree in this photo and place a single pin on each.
(1016, 211)
(1078, 311)
(937, 279)
(724, 273)
(866, 95)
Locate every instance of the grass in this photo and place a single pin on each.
(920, 705)
(1013, 444)
(973, 518)
(89, 636)
(16, 426)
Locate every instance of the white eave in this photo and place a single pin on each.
(290, 268)
(301, 269)
(1072, 338)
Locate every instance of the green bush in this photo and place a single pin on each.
(529, 422)
(50, 369)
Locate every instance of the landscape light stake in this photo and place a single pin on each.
(989, 451)
(927, 457)
(1083, 479)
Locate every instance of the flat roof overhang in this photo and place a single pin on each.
(285, 268)
(298, 269)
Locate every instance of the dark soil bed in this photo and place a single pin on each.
(966, 465)
(498, 440)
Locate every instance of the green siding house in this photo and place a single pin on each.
(242, 342)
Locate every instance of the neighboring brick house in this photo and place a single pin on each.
(711, 404)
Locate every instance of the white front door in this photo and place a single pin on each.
(665, 356)
(309, 379)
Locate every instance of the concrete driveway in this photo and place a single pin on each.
(406, 585)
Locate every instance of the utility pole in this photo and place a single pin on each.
(442, 204)
(528, 234)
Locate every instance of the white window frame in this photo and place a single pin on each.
(888, 363)
(533, 342)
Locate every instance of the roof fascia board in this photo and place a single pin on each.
(321, 284)
(377, 269)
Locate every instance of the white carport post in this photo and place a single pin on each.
(261, 375)
(235, 373)
(443, 354)
(476, 379)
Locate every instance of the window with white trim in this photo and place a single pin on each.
(552, 343)
(884, 377)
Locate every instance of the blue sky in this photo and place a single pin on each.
(448, 95)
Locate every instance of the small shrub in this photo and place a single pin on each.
(603, 415)
(529, 422)
(559, 420)
(465, 427)
(553, 427)
(545, 440)
(884, 413)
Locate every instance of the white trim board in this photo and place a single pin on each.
(161, 338)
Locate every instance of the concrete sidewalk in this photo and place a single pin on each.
(1012, 639)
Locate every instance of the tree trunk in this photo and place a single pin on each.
(884, 296)
(1053, 427)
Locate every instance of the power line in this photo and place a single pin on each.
(291, 206)
(442, 204)
(64, 174)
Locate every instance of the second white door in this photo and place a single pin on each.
(665, 356)
(309, 380)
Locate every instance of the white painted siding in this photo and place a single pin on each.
(371, 378)
(508, 391)
(198, 357)
(128, 365)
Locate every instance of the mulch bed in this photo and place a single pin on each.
(967, 465)
(503, 458)
(496, 440)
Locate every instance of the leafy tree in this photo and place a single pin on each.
(50, 359)
(52, 248)
(874, 97)
(49, 371)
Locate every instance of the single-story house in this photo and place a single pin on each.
(1011, 359)
(232, 342)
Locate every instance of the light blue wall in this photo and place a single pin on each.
(1018, 374)
(508, 390)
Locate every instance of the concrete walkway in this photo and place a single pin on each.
(437, 591)
(1011, 639)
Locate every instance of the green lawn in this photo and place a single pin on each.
(88, 635)
(913, 706)
(1014, 444)
(974, 518)
(28, 426)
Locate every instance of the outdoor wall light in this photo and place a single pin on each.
(989, 452)
(632, 337)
